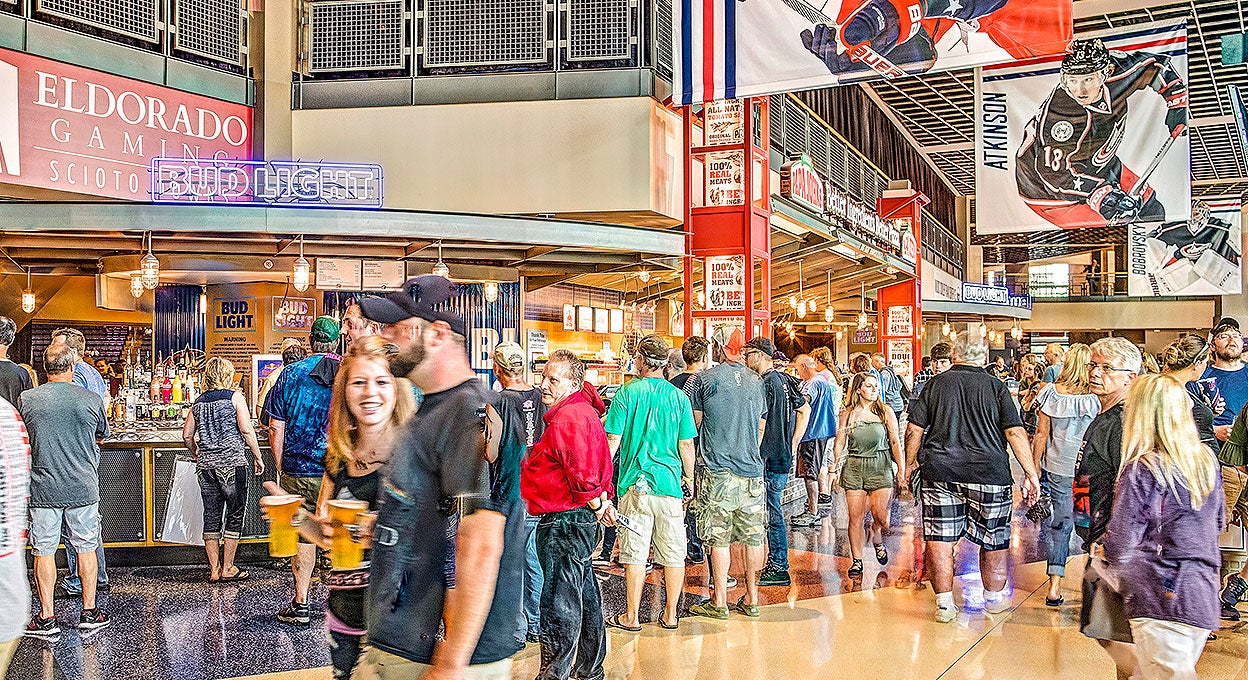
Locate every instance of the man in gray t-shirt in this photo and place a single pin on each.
(729, 408)
(64, 422)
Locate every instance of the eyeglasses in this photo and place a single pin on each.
(1092, 366)
(1228, 335)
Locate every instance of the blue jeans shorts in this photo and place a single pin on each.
(82, 523)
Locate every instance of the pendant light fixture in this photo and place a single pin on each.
(489, 290)
(983, 327)
(28, 295)
(801, 293)
(440, 268)
(644, 275)
(829, 312)
(136, 285)
(149, 267)
(840, 335)
(862, 313)
(302, 276)
(203, 300)
(945, 329)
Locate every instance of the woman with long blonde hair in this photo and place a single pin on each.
(868, 458)
(1161, 544)
(368, 407)
(1065, 410)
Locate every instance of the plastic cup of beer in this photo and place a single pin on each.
(281, 511)
(344, 551)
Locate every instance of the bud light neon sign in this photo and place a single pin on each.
(277, 183)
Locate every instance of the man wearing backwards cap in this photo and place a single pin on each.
(438, 473)
(650, 430)
(515, 424)
(1228, 373)
(729, 409)
(297, 413)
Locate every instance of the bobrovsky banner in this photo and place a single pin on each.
(1094, 138)
(1200, 256)
(74, 129)
(725, 49)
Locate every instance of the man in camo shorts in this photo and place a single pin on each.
(729, 408)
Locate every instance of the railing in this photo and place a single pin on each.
(1087, 286)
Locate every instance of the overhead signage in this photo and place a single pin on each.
(978, 293)
(234, 315)
(383, 274)
(727, 48)
(294, 183)
(569, 317)
(617, 321)
(335, 274)
(585, 319)
(862, 220)
(900, 321)
(1020, 301)
(909, 246)
(74, 129)
(864, 336)
(724, 278)
(800, 182)
(724, 122)
(293, 315)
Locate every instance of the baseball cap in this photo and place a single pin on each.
(509, 356)
(653, 348)
(729, 337)
(1225, 323)
(324, 329)
(418, 297)
(762, 344)
(291, 342)
(780, 356)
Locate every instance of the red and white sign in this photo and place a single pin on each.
(909, 247)
(725, 282)
(800, 182)
(73, 129)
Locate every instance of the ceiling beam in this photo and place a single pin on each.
(1084, 9)
(905, 132)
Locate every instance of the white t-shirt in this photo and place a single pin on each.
(14, 488)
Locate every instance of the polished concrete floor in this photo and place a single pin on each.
(168, 623)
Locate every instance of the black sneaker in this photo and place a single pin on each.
(825, 499)
(855, 569)
(771, 576)
(93, 619)
(295, 614)
(42, 628)
(1229, 612)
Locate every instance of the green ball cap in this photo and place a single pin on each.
(325, 329)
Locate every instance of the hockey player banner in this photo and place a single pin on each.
(1200, 256)
(1096, 137)
(724, 49)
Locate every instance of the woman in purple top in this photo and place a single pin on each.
(1161, 544)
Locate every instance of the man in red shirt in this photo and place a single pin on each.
(566, 480)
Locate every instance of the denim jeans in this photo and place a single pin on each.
(530, 612)
(777, 532)
(73, 584)
(574, 636)
(1057, 529)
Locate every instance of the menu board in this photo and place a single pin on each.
(382, 274)
(333, 274)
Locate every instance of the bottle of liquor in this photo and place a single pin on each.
(176, 390)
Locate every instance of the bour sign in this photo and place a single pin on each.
(977, 293)
(293, 183)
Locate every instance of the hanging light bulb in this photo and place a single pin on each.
(28, 296)
(490, 292)
(801, 309)
(149, 267)
(136, 285)
(983, 329)
(828, 314)
(944, 329)
(644, 275)
(203, 300)
(302, 275)
(813, 305)
(793, 301)
(992, 336)
(862, 309)
(840, 335)
(863, 320)
(440, 268)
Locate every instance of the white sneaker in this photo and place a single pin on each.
(946, 614)
(996, 606)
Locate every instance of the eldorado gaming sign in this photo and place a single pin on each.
(73, 129)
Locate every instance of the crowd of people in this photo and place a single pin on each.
(486, 510)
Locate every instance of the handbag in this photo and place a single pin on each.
(1102, 615)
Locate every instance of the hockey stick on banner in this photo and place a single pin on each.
(1142, 180)
(861, 53)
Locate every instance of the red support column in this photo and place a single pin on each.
(728, 215)
(900, 306)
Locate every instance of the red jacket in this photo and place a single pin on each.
(571, 463)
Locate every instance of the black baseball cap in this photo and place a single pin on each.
(1224, 324)
(419, 297)
(762, 344)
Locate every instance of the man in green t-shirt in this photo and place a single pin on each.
(650, 430)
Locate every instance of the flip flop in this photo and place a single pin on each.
(240, 575)
(1054, 603)
(666, 625)
(615, 622)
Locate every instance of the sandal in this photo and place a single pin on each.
(855, 569)
(239, 575)
(881, 554)
(615, 622)
(669, 626)
(1054, 602)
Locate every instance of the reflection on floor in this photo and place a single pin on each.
(170, 624)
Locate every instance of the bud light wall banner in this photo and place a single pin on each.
(1094, 138)
(1200, 256)
(724, 49)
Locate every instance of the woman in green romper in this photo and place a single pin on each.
(868, 456)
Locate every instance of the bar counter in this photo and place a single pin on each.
(136, 472)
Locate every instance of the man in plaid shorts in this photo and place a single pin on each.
(959, 428)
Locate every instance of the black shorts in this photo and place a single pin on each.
(810, 458)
